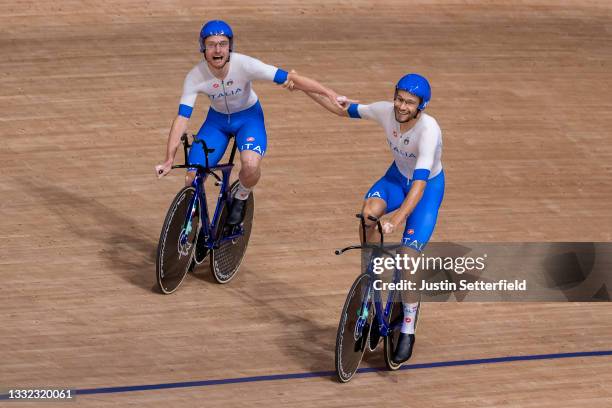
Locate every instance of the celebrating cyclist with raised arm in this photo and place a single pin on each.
(225, 77)
(413, 186)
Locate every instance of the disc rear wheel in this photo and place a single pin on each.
(395, 323)
(226, 259)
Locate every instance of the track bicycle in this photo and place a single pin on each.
(189, 234)
(366, 317)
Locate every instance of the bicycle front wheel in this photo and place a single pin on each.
(177, 241)
(354, 328)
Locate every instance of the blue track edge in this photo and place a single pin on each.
(316, 374)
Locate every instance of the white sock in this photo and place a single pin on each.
(242, 193)
(410, 312)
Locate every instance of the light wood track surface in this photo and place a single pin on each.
(87, 93)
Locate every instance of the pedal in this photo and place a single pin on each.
(227, 230)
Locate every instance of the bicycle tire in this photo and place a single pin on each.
(174, 258)
(390, 341)
(227, 258)
(350, 344)
(396, 317)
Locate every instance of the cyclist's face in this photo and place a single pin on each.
(217, 50)
(406, 106)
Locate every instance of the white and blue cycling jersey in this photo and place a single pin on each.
(417, 155)
(417, 152)
(234, 106)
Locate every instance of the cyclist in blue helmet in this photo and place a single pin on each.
(412, 187)
(225, 77)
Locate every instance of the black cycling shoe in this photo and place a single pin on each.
(403, 351)
(237, 212)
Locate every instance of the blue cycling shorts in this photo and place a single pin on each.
(248, 126)
(393, 188)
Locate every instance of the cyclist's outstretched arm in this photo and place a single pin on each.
(296, 81)
(306, 84)
(179, 126)
(338, 108)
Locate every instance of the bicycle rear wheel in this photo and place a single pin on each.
(354, 328)
(176, 244)
(396, 317)
(225, 260)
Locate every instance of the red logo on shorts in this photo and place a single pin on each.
(250, 139)
(407, 320)
(410, 232)
(215, 85)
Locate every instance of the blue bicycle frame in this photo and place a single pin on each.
(212, 229)
(382, 316)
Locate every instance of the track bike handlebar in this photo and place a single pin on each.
(378, 246)
(206, 169)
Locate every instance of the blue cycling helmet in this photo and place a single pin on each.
(417, 85)
(215, 27)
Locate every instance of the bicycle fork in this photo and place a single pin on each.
(184, 246)
(363, 312)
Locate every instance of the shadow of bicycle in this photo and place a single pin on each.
(126, 247)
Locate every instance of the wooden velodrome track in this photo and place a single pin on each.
(87, 94)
